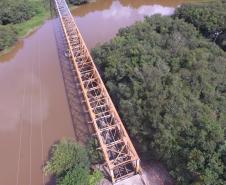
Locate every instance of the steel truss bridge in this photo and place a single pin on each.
(121, 159)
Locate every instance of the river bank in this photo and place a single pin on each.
(23, 29)
(98, 23)
(26, 28)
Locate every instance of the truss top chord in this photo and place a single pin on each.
(119, 153)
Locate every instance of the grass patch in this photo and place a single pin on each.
(42, 13)
(25, 28)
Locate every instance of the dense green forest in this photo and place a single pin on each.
(12, 12)
(17, 18)
(208, 18)
(168, 83)
(71, 164)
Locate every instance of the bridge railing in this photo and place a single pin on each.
(119, 153)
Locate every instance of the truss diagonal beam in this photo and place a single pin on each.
(118, 151)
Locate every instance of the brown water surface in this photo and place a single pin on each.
(34, 112)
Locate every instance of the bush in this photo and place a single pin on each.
(95, 178)
(12, 12)
(66, 155)
(74, 176)
(70, 164)
(168, 84)
(8, 37)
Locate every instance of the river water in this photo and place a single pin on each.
(34, 112)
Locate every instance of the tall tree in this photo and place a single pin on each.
(168, 83)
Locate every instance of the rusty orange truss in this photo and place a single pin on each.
(119, 153)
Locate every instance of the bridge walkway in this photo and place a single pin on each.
(121, 159)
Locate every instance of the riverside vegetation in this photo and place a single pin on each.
(166, 76)
(208, 18)
(70, 163)
(18, 18)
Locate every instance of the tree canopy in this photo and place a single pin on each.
(208, 18)
(12, 12)
(7, 36)
(168, 83)
(70, 164)
(13, 18)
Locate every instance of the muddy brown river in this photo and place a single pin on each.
(34, 113)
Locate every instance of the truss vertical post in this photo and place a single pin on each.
(118, 151)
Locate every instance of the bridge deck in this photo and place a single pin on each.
(118, 151)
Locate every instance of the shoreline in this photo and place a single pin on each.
(26, 28)
(22, 37)
(32, 25)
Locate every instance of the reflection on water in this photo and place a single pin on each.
(99, 21)
(100, 5)
(155, 9)
(117, 11)
(138, 3)
(85, 9)
(101, 26)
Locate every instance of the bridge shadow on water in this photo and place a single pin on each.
(79, 114)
